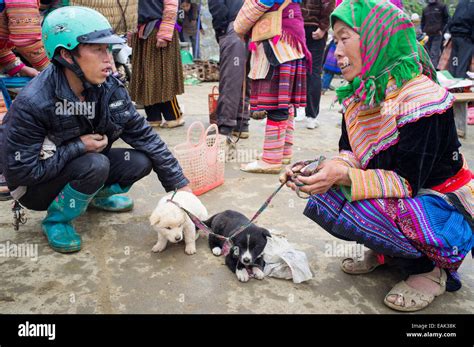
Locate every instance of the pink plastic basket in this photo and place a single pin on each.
(203, 162)
(470, 115)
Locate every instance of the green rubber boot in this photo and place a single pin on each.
(107, 200)
(57, 227)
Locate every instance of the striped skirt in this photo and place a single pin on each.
(426, 225)
(285, 86)
(157, 73)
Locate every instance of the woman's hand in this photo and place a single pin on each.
(330, 173)
(242, 37)
(290, 172)
(318, 34)
(29, 72)
(160, 43)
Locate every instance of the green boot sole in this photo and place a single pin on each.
(70, 248)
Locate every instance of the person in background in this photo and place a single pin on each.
(461, 28)
(47, 6)
(231, 119)
(20, 31)
(121, 14)
(316, 24)
(330, 67)
(4, 191)
(157, 71)
(190, 21)
(278, 72)
(421, 37)
(434, 19)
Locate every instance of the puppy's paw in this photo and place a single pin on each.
(242, 275)
(158, 248)
(258, 274)
(217, 251)
(190, 249)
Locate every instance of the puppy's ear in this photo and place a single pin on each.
(209, 221)
(154, 219)
(266, 233)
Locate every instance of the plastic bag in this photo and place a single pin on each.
(283, 261)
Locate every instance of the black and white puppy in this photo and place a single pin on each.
(247, 251)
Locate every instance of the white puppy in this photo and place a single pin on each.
(173, 224)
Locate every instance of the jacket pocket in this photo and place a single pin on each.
(64, 128)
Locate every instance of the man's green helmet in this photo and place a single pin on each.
(70, 26)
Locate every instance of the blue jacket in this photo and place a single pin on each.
(34, 116)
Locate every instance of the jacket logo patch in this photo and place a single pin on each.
(117, 104)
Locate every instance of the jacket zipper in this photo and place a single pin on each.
(104, 101)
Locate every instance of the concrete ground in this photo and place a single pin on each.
(116, 272)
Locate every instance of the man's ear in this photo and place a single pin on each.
(154, 219)
(66, 55)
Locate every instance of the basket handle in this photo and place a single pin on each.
(210, 128)
(203, 135)
(214, 90)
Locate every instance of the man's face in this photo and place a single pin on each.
(95, 61)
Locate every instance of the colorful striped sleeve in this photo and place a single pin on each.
(374, 184)
(347, 158)
(24, 27)
(249, 14)
(9, 62)
(168, 22)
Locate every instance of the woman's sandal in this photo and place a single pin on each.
(155, 123)
(255, 167)
(418, 300)
(360, 267)
(172, 123)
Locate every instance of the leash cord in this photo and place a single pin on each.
(207, 230)
(228, 240)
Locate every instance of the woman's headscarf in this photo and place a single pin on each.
(388, 48)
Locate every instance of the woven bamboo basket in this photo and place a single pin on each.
(122, 14)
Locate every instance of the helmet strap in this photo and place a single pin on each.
(74, 67)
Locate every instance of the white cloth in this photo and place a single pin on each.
(48, 149)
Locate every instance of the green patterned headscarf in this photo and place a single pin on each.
(388, 47)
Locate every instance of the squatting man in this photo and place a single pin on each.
(63, 162)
